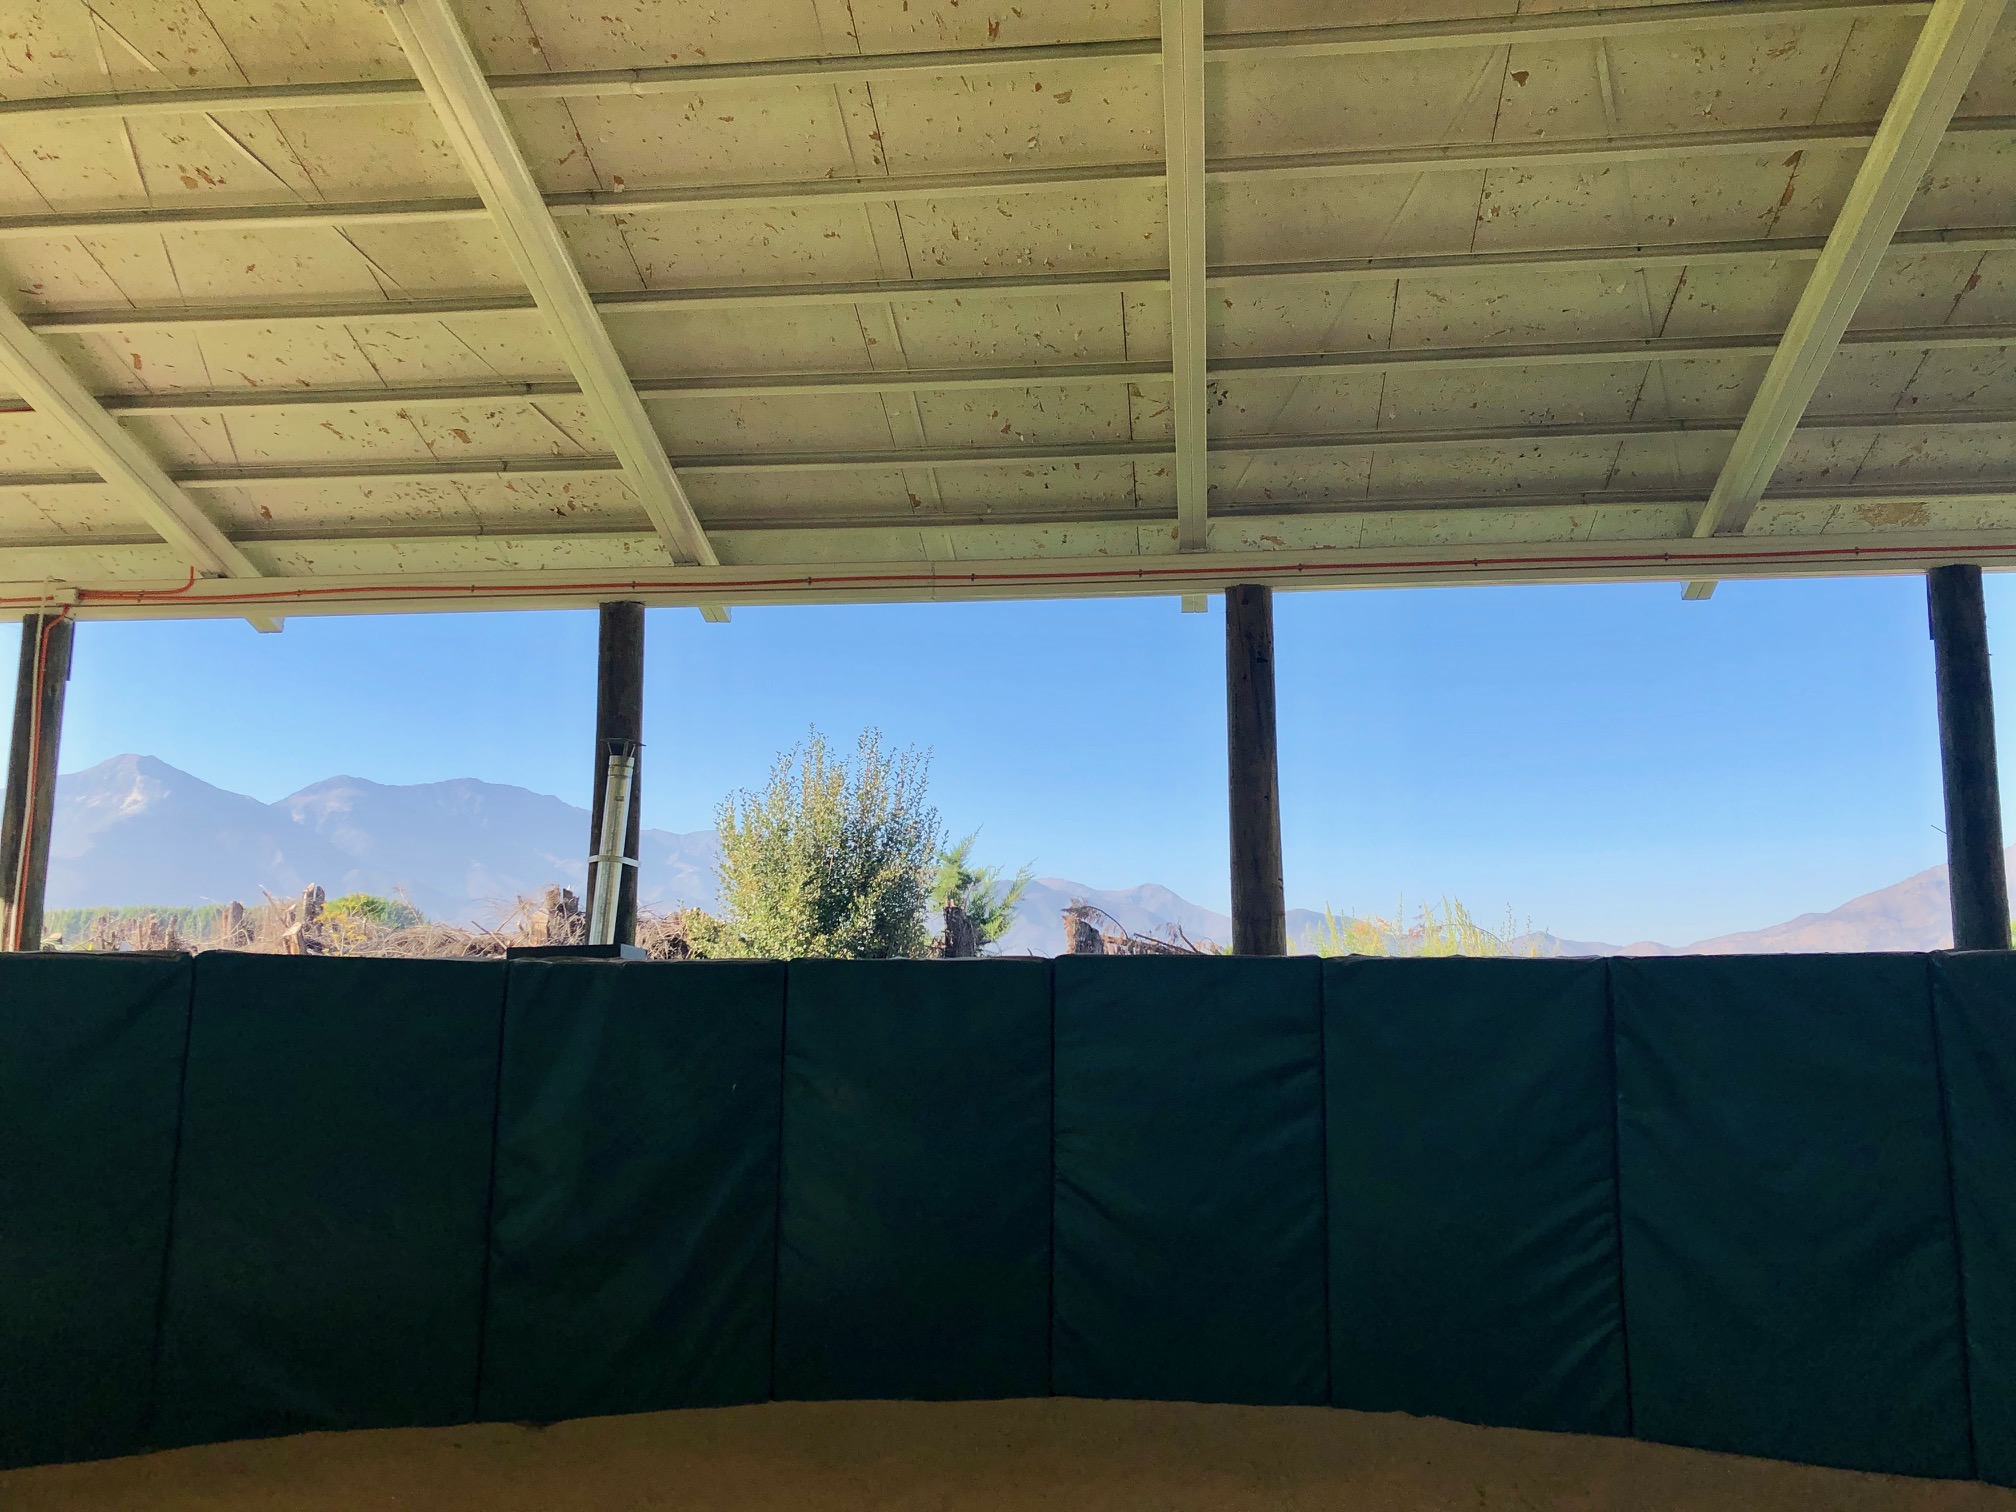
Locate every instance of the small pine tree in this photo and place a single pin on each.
(832, 858)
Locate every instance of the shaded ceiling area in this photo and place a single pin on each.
(919, 298)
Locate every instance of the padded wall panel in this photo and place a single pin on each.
(1790, 1275)
(326, 1263)
(1474, 1271)
(91, 1053)
(633, 1250)
(915, 1222)
(1974, 997)
(1189, 1200)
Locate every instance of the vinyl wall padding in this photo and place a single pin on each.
(1790, 1274)
(90, 1086)
(915, 1211)
(1758, 1204)
(633, 1242)
(332, 1193)
(1472, 1192)
(1974, 1001)
(1189, 1200)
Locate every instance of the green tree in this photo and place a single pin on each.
(989, 902)
(386, 913)
(353, 923)
(833, 857)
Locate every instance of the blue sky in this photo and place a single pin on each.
(1607, 761)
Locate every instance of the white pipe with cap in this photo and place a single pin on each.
(606, 865)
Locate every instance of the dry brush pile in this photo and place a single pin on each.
(359, 925)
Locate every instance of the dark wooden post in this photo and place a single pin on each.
(1259, 911)
(1974, 862)
(619, 716)
(31, 777)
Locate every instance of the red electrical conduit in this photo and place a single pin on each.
(719, 586)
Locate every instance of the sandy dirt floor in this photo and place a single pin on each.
(1086, 1456)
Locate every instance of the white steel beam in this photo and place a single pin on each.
(1143, 571)
(1948, 50)
(448, 70)
(992, 184)
(1415, 36)
(117, 456)
(866, 537)
(1183, 155)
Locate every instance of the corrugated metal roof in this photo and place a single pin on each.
(1486, 294)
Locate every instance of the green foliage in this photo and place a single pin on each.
(700, 936)
(832, 858)
(989, 902)
(369, 908)
(1453, 932)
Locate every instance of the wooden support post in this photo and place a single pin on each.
(619, 716)
(1974, 861)
(31, 777)
(1259, 910)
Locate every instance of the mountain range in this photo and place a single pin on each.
(135, 831)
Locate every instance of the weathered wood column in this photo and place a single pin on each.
(31, 777)
(619, 716)
(1974, 860)
(1259, 911)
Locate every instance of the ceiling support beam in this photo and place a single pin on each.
(1183, 154)
(714, 464)
(1948, 50)
(40, 377)
(448, 70)
(877, 538)
(729, 299)
(1329, 41)
(1372, 162)
(117, 456)
(1042, 575)
(1044, 375)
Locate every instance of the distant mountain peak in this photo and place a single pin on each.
(131, 767)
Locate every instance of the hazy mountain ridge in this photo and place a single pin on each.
(1914, 914)
(134, 830)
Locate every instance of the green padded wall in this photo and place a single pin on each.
(261, 1194)
(1474, 1271)
(1790, 1276)
(633, 1242)
(1189, 1202)
(1974, 997)
(90, 1087)
(326, 1263)
(915, 1216)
